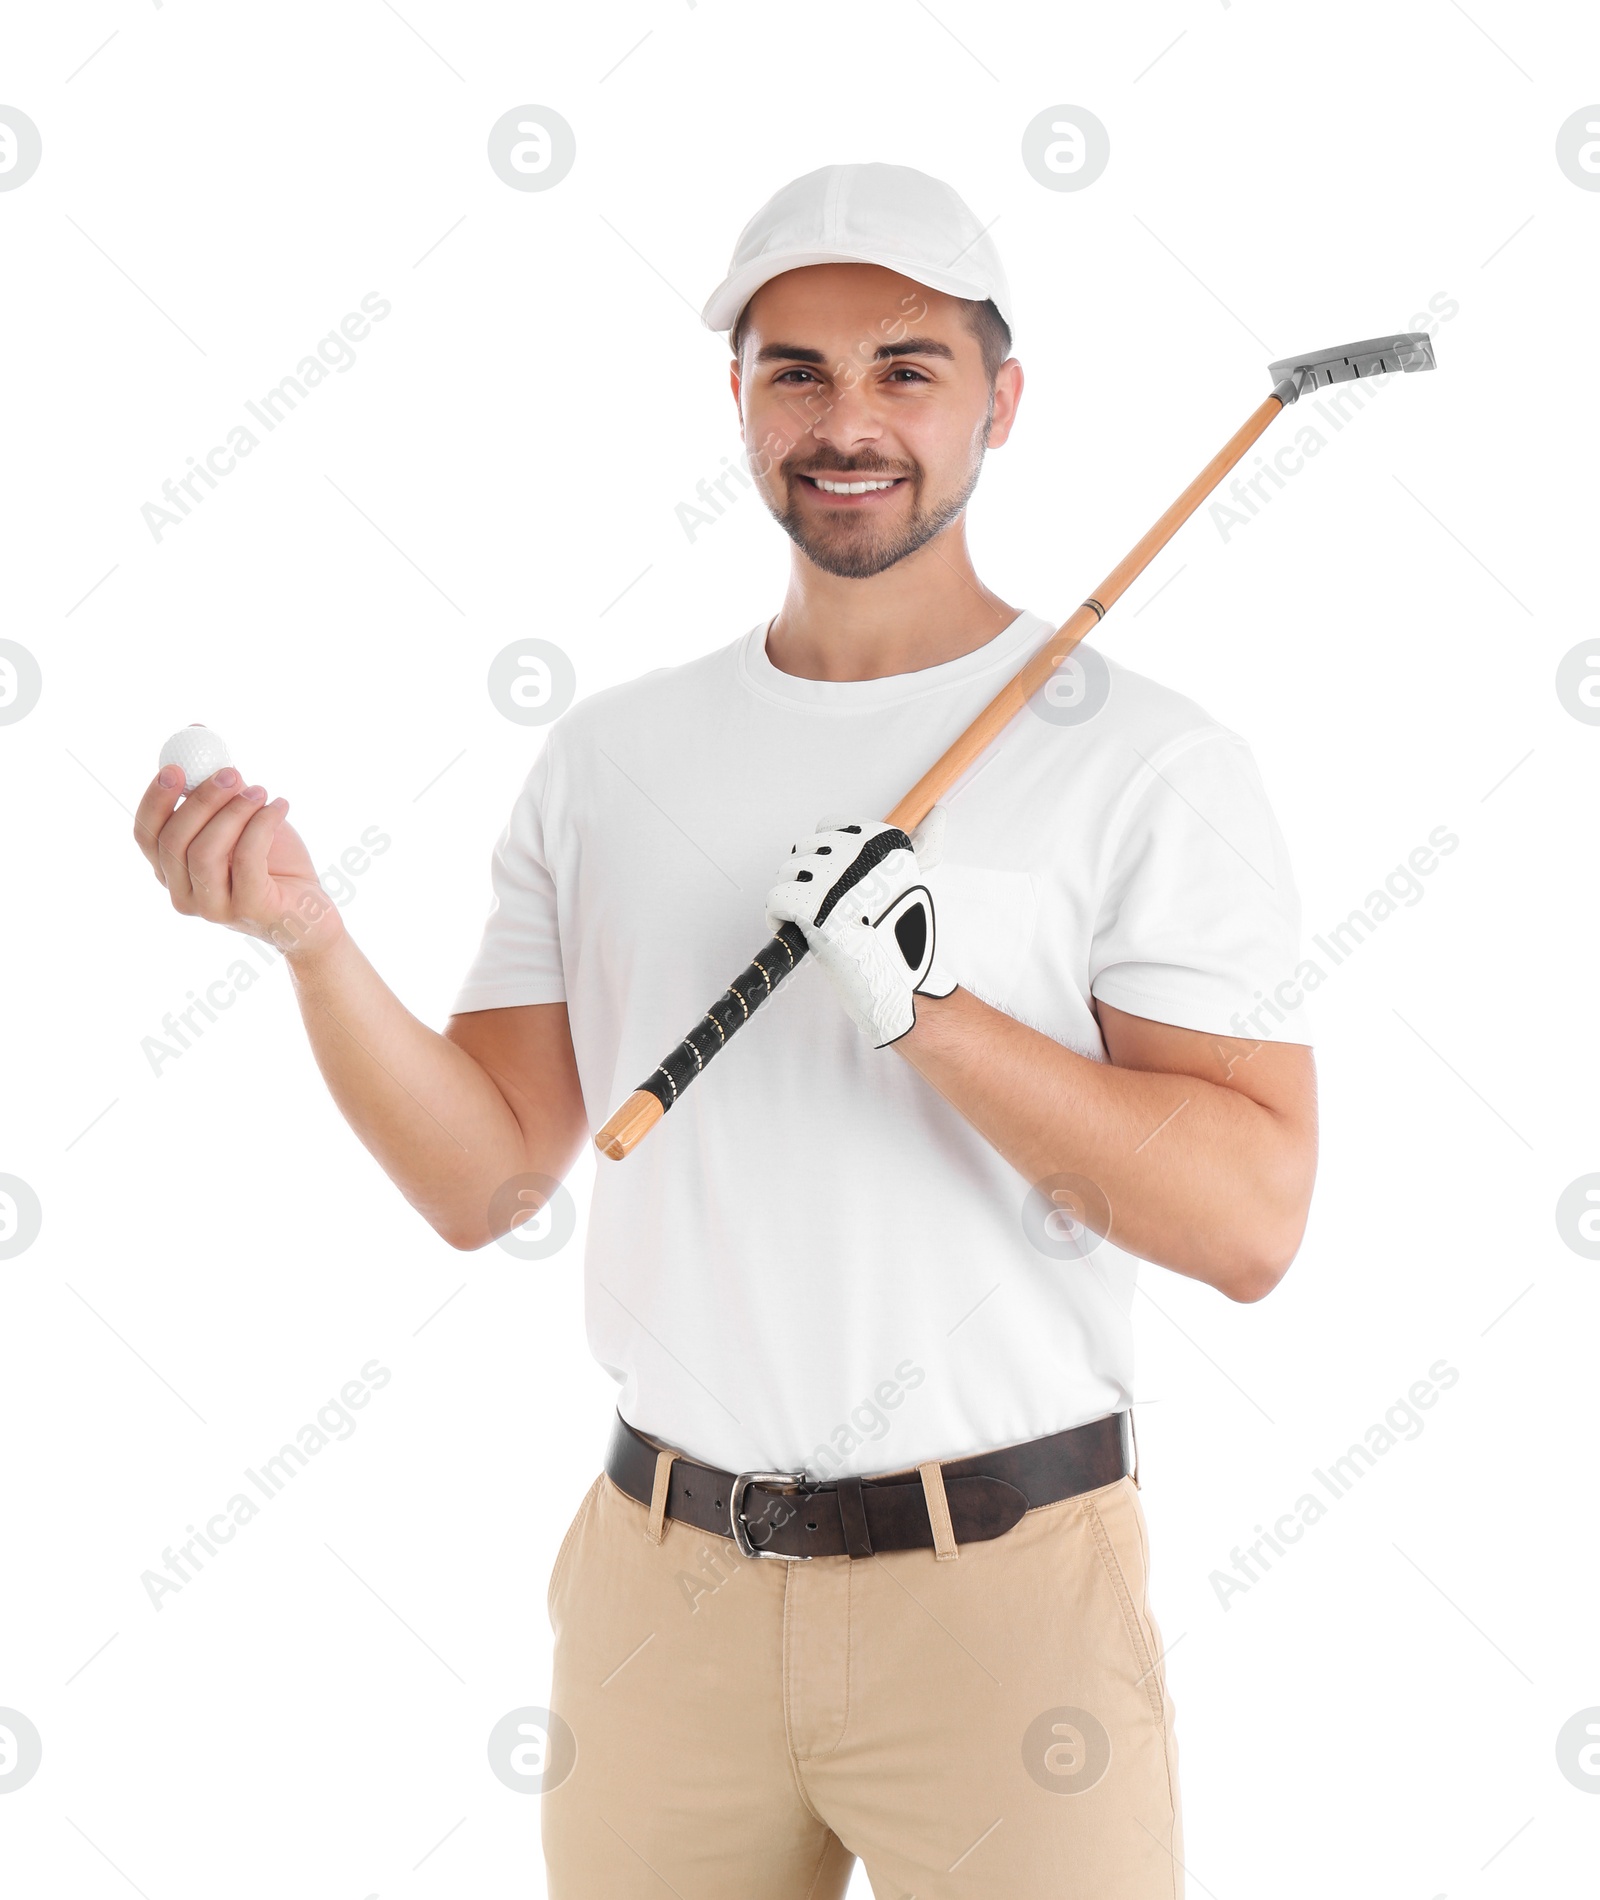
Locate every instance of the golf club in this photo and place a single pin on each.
(1292, 377)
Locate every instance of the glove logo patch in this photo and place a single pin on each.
(910, 918)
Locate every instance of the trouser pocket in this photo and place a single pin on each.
(1113, 1518)
(559, 1567)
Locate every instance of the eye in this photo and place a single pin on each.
(904, 369)
(784, 375)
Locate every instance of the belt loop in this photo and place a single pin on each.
(853, 1517)
(1132, 1447)
(655, 1530)
(944, 1537)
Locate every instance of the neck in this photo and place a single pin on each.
(927, 609)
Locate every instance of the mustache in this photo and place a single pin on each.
(855, 465)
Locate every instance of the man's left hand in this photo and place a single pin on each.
(855, 890)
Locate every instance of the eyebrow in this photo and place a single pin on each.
(912, 346)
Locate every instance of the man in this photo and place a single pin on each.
(869, 1248)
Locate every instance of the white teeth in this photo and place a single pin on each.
(851, 488)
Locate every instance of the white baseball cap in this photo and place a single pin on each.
(864, 214)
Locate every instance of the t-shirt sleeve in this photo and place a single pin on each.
(1199, 921)
(519, 955)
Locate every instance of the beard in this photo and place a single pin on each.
(855, 547)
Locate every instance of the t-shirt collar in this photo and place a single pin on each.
(1003, 655)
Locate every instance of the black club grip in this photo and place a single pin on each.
(728, 1014)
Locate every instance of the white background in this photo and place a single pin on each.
(219, 1255)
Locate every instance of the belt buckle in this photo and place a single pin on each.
(793, 1481)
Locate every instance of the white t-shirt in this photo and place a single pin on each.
(814, 1261)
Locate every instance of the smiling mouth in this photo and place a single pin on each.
(854, 488)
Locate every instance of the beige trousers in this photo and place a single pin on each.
(987, 1724)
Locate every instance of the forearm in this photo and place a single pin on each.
(1199, 1177)
(433, 1119)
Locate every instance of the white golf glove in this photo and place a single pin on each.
(854, 890)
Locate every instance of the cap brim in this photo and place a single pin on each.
(738, 287)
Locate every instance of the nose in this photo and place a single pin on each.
(850, 422)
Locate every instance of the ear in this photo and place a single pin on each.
(1007, 396)
(733, 384)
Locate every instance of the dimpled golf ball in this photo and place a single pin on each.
(200, 752)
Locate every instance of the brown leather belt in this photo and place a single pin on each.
(788, 1514)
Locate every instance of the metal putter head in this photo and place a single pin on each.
(1292, 376)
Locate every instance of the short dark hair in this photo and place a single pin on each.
(984, 320)
(993, 333)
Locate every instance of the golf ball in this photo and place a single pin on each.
(200, 752)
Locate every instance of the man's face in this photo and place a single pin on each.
(850, 374)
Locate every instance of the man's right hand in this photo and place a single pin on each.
(452, 1118)
(223, 853)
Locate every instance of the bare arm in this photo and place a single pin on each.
(449, 1117)
(1204, 1146)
